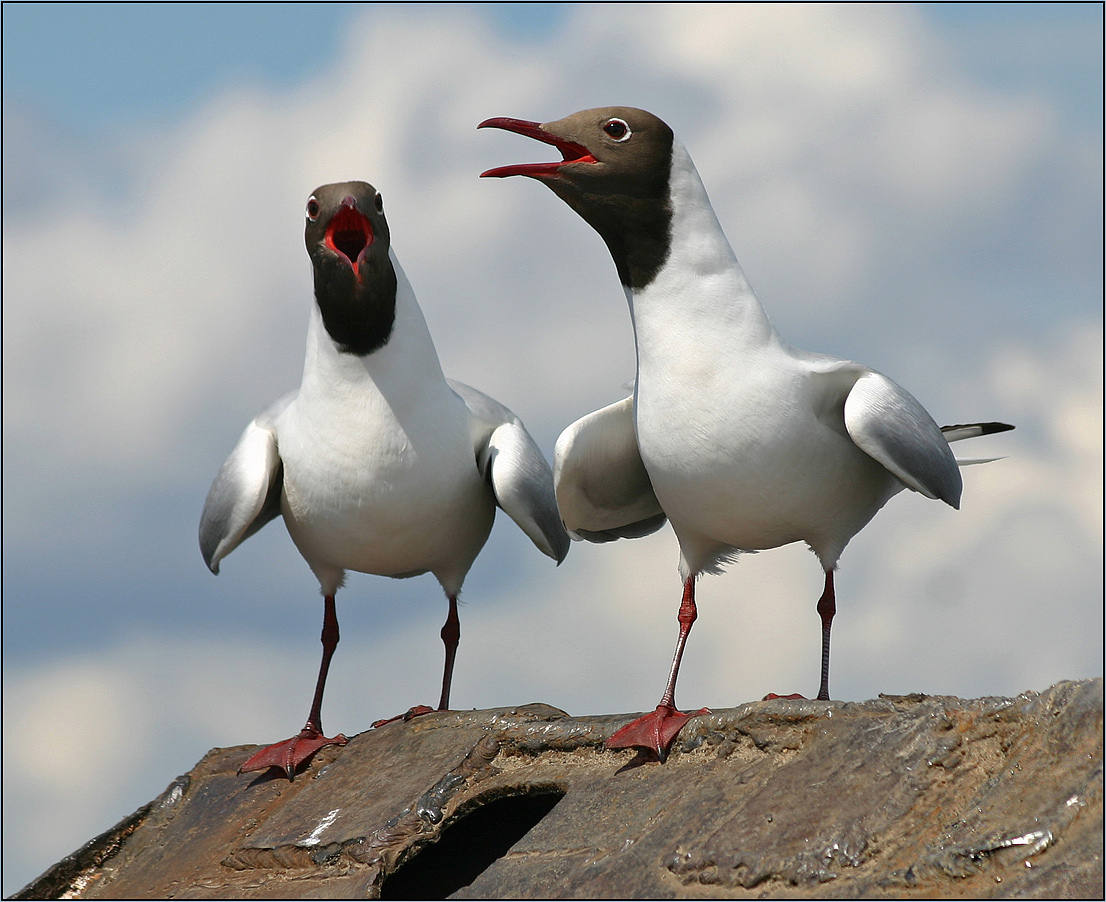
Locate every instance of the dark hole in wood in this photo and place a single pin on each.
(470, 846)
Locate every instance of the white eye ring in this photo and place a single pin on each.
(312, 208)
(617, 130)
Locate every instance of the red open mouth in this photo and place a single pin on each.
(349, 232)
(570, 150)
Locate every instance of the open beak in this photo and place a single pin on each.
(571, 152)
(349, 232)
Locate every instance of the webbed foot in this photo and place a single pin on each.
(654, 731)
(409, 714)
(291, 753)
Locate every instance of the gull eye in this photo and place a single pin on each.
(617, 129)
(379, 202)
(312, 208)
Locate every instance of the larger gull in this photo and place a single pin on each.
(738, 439)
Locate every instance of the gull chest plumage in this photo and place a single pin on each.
(377, 463)
(379, 470)
(738, 439)
(743, 437)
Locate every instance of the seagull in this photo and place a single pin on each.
(377, 463)
(739, 440)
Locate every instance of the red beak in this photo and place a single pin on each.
(570, 150)
(349, 232)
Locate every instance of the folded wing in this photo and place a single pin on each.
(517, 471)
(603, 489)
(887, 423)
(246, 492)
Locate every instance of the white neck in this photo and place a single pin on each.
(406, 365)
(701, 289)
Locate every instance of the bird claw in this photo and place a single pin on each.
(410, 714)
(654, 731)
(794, 695)
(291, 753)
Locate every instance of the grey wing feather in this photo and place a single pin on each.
(246, 492)
(603, 489)
(519, 475)
(887, 423)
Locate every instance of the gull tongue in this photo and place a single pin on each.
(349, 233)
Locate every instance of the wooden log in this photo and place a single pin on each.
(898, 797)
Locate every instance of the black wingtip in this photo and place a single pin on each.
(984, 428)
(561, 547)
(209, 558)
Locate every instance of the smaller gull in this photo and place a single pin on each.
(378, 463)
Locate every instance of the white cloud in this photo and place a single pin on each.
(143, 316)
(843, 151)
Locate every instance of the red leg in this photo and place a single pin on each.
(827, 607)
(451, 636)
(657, 730)
(291, 753)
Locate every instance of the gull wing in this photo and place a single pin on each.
(603, 489)
(246, 492)
(887, 423)
(518, 473)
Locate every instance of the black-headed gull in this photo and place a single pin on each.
(378, 463)
(741, 441)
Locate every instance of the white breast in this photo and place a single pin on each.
(743, 460)
(380, 471)
(733, 425)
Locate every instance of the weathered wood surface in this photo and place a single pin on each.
(903, 797)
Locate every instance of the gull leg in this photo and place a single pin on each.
(451, 636)
(291, 753)
(827, 607)
(656, 731)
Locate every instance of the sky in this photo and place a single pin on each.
(915, 187)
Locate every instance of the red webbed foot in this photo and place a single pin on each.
(409, 714)
(654, 731)
(291, 753)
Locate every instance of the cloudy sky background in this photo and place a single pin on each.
(917, 188)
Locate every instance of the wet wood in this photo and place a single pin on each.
(898, 797)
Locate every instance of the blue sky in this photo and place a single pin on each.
(92, 66)
(918, 188)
